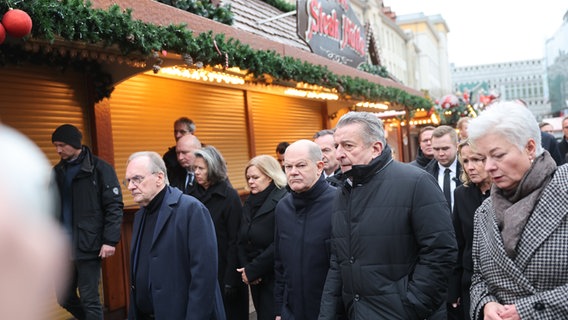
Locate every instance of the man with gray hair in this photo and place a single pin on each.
(324, 140)
(393, 239)
(173, 261)
(303, 229)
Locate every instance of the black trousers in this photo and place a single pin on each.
(263, 299)
(236, 305)
(85, 276)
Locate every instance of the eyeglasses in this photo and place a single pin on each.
(136, 180)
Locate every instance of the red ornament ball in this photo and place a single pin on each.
(2, 34)
(17, 22)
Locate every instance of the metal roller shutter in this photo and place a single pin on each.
(281, 118)
(144, 108)
(37, 100)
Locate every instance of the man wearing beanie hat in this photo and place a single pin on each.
(91, 214)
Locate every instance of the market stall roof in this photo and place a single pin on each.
(160, 14)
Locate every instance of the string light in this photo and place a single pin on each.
(203, 75)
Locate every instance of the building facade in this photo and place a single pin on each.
(509, 80)
(556, 63)
(429, 33)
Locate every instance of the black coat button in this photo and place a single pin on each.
(356, 298)
(539, 306)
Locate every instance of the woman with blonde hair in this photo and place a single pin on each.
(267, 185)
(467, 198)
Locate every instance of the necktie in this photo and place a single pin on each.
(188, 182)
(447, 187)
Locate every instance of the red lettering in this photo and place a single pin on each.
(320, 23)
(352, 36)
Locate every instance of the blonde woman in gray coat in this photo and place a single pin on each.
(520, 241)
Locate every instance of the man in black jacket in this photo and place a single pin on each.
(182, 127)
(425, 152)
(393, 242)
(445, 147)
(563, 144)
(91, 215)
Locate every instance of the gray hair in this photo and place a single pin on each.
(324, 132)
(216, 165)
(373, 129)
(509, 119)
(187, 122)
(156, 164)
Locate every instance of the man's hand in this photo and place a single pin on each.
(106, 251)
(456, 303)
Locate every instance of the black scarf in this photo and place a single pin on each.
(255, 201)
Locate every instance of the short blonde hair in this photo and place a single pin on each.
(270, 167)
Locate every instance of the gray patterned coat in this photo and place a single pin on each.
(536, 281)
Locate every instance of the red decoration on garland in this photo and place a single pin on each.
(18, 23)
(449, 101)
(2, 34)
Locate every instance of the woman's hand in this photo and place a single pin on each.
(493, 311)
(243, 275)
(510, 313)
(245, 279)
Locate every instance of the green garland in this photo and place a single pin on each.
(281, 5)
(74, 20)
(221, 13)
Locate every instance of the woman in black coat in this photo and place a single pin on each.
(266, 183)
(224, 204)
(468, 197)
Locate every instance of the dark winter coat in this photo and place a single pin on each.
(97, 205)
(467, 200)
(183, 268)
(550, 144)
(393, 244)
(421, 160)
(256, 237)
(563, 148)
(301, 250)
(176, 173)
(225, 207)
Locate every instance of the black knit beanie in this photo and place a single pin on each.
(68, 134)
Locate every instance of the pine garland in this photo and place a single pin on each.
(281, 5)
(74, 20)
(220, 13)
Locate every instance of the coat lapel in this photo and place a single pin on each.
(135, 235)
(271, 202)
(171, 198)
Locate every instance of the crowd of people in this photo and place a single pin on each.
(333, 228)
